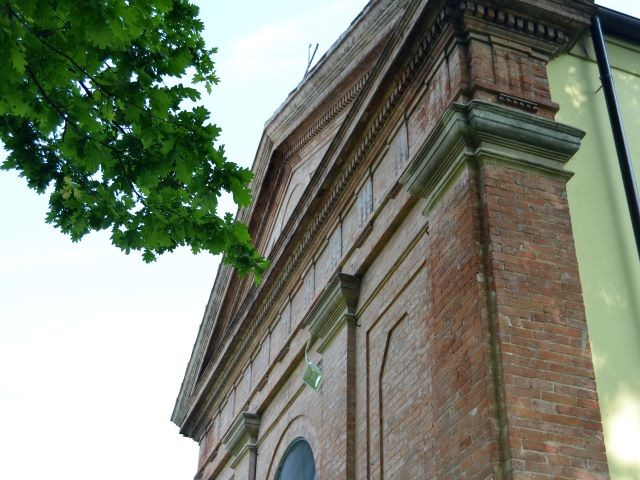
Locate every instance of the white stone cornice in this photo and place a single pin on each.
(489, 132)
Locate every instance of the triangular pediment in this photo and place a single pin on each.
(297, 157)
(301, 158)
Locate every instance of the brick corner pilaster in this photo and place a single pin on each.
(539, 371)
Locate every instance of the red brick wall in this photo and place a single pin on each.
(463, 403)
(471, 356)
(552, 409)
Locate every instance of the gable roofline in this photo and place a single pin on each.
(199, 397)
(333, 67)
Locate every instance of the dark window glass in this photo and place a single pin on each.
(298, 463)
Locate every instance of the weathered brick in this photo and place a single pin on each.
(470, 356)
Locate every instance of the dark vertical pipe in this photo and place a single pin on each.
(624, 158)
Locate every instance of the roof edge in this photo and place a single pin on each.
(619, 24)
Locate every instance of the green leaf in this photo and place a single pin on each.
(184, 168)
(94, 155)
(241, 194)
(100, 35)
(148, 256)
(160, 102)
(84, 109)
(17, 57)
(178, 62)
(241, 232)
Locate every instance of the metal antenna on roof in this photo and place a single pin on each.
(310, 57)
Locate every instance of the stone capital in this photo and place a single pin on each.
(242, 435)
(337, 303)
(488, 132)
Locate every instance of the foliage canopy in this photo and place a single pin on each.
(92, 110)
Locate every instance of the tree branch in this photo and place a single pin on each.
(82, 70)
(50, 101)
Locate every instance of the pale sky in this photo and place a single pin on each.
(93, 343)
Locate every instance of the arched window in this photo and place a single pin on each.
(297, 463)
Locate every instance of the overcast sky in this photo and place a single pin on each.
(93, 343)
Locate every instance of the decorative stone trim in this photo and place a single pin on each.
(518, 102)
(363, 234)
(206, 329)
(263, 382)
(402, 80)
(261, 162)
(337, 303)
(516, 23)
(242, 435)
(393, 193)
(486, 131)
(327, 117)
(282, 353)
(337, 64)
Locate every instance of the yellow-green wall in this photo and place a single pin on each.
(607, 256)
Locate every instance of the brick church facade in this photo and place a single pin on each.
(411, 196)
